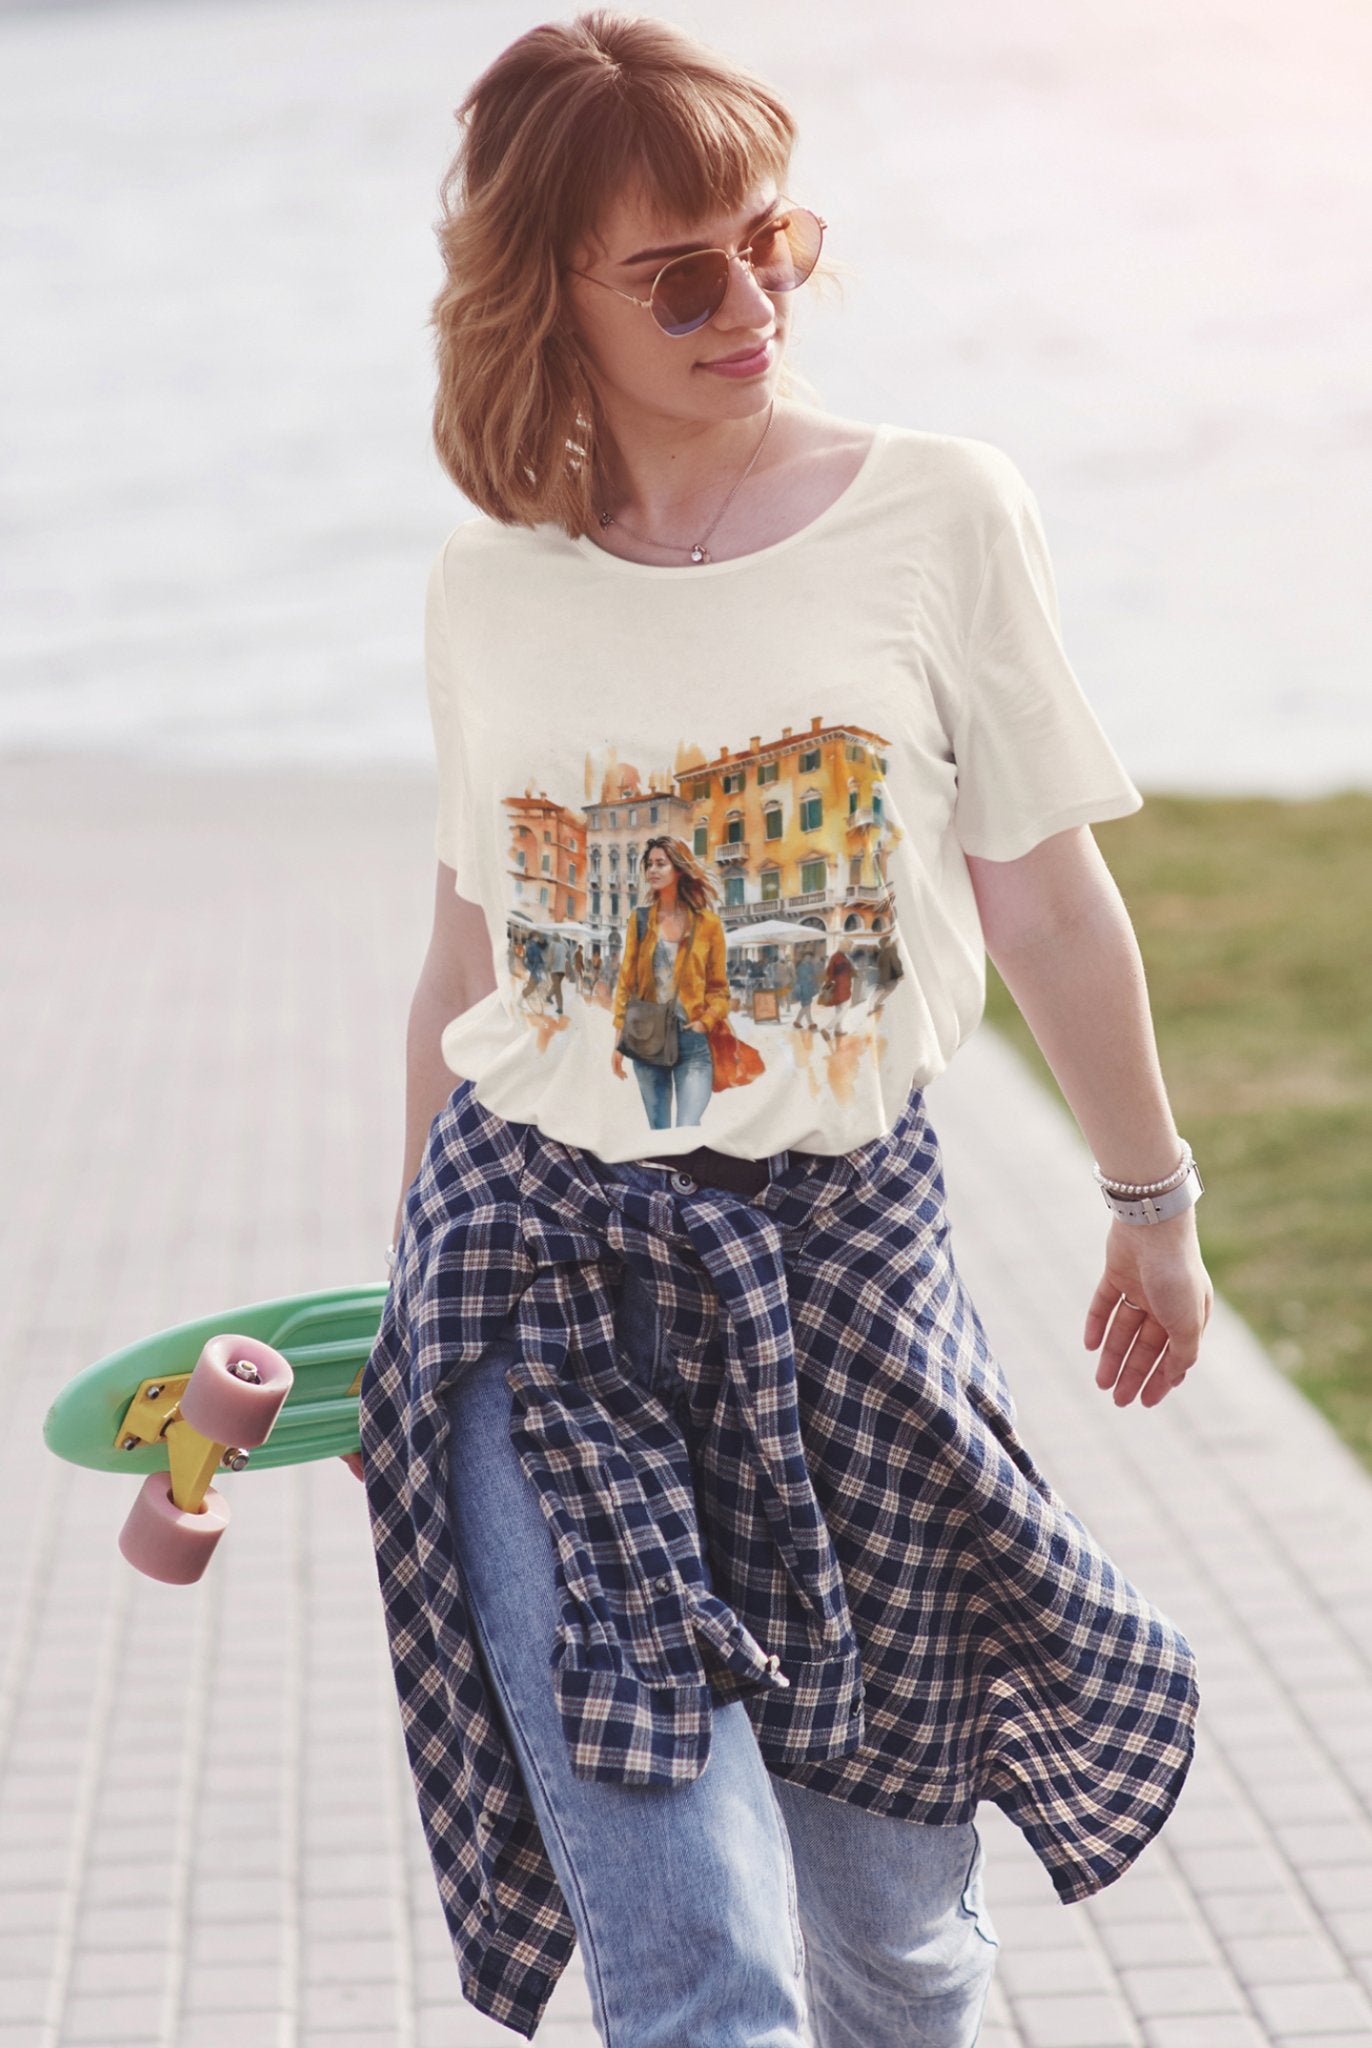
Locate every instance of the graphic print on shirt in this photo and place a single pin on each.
(709, 920)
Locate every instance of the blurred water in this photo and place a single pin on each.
(1129, 245)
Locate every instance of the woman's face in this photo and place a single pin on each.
(659, 869)
(640, 368)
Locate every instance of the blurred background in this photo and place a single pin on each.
(1128, 244)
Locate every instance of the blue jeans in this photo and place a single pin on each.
(690, 1081)
(727, 1912)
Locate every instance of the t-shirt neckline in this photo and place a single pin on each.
(686, 570)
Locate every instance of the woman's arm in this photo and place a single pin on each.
(1058, 931)
(458, 970)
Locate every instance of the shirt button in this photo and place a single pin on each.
(684, 1182)
(774, 1663)
(485, 1908)
(855, 1706)
(662, 1585)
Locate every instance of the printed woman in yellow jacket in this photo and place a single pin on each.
(682, 945)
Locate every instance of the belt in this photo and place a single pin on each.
(722, 1170)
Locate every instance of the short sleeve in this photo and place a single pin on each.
(1032, 758)
(449, 832)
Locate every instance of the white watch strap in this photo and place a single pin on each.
(1157, 1208)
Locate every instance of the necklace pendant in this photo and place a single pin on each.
(699, 553)
(607, 518)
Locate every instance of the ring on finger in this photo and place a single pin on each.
(1130, 1304)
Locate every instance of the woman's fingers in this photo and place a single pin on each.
(1141, 1356)
(1127, 1354)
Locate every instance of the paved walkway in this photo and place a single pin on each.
(207, 1838)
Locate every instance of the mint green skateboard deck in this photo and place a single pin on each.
(275, 1383)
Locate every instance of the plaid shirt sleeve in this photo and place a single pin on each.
(914, 1619)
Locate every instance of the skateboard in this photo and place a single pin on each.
(275, 1383)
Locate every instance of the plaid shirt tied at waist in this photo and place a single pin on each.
(912, 1616)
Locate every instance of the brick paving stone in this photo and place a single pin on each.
(1339, 1885)
(132, 1969)
(1034, 1924)
(325, 1877)
(1147, 1943)
(352, 1962)
(1323, 1797)
(45, 1864)
(1351, 1930)
(36, 1796)
(342, 2007)
(1361, 2038)
(1311, 2008)
(1025, 1971)
(234, 1899)
(438, 2026)
(1075, 2023)
(107, 2018)
(1309, 1844)
(25, 1955)
(225, 2030)
(1223, 1826)
(1197, 2031)
(111, 1927)
(1283, 1959)
(1231, 1870)
(23, 1997)
(1283, 1772)
(1184, 1988)
(1141, 1895)
(242, 1944)
(335, 2037)
(233, 1986)
(1272, 1912)
(151, 1883)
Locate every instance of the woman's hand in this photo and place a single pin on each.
(1159, 1267)
(353, 1461)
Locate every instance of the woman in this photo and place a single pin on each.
(674, 954)
(720, 1587)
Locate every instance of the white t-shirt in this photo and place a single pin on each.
(826, 725)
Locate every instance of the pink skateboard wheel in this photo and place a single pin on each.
(236, 1391)
(164, 1541)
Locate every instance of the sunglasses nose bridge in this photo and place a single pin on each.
(744, 259)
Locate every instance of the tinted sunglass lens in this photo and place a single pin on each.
(690, 291)
(787, 250)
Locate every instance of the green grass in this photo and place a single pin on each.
(1254, 916)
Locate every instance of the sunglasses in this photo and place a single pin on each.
(689, 291)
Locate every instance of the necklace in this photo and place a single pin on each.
(697, 550)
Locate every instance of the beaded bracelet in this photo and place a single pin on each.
(1155, 1187)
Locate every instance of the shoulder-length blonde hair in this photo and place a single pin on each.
(567, 117)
